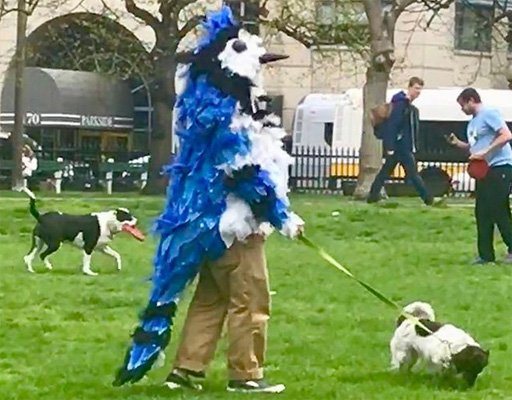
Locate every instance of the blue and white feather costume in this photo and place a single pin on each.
(228, 181)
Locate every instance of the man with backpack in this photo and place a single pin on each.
(398, 131)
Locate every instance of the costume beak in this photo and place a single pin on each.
(134, 231)
(271, 57)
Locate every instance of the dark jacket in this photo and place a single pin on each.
(401, 128)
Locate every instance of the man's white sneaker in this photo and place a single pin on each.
(254, 386)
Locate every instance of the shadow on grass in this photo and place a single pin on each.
(416, 381)
(156, 391)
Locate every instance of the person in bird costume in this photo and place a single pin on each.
(227, 191)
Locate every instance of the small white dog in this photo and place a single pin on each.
(445, 349)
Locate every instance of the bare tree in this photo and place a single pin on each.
(8, 6)
(164, 58)
(23, 8)
(368, 28)
(382, 18)
(93, 43)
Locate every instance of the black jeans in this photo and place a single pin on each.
(406, 159)
(492, 208)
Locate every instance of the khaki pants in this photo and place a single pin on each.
(235, 286)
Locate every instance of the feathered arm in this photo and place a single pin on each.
(253, 184)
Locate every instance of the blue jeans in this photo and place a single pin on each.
(406, 159)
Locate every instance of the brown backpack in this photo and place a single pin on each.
(380, 113)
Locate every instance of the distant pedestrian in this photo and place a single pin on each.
(398, 134)
(488, 139)
(28, 163)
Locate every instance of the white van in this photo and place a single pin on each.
(319, 114)
(332, 123)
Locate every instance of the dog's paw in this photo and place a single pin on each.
(89, 272)
(48, 265)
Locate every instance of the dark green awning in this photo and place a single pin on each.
(74, 99)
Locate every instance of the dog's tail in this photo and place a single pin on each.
(418, 309)
(32, 207)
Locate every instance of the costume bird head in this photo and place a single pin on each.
(229, 56)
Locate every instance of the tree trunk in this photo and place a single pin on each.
(382, 27)
(370, 153)
(161, 147)
(19, 104)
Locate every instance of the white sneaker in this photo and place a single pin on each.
(254, 386)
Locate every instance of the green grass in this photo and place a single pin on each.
(63, 335)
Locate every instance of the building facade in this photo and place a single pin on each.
(459, 47)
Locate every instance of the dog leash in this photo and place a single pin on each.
(332, 261)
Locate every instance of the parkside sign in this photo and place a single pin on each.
(94, 121)
(70, 120)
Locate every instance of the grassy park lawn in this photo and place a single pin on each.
(64, 334)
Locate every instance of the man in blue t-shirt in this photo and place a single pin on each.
(488, 139)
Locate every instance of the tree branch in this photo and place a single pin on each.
(190, 25)
(165, 9)
(401, 5)
(295, 34)
(142, 14)
(503, 15)
(31, 5)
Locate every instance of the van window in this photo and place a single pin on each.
(328, 131)
(298, 124)
(431, 143)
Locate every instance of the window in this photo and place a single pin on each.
(328, 131)
(473, 26)
(339, 23)
(247, 12)
(326, 12)
(431, 142)
(66, 138)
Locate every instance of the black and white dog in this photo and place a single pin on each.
(88, 232)
(446, 349)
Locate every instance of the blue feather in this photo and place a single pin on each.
(254, 185)
(215, 22)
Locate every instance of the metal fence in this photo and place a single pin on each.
(328, 170)
(315, 170)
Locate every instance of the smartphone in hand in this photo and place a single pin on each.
(451, 138)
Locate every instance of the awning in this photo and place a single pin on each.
(74, 99)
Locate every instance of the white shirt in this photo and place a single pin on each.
(29, 165)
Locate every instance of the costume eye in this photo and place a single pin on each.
(239, 46)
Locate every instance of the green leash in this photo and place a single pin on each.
(332, 261)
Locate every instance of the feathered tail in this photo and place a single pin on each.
(150, 338)
(178, 259)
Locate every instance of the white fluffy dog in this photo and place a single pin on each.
(445, 349)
